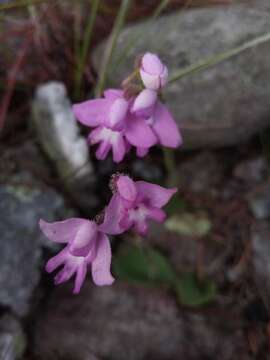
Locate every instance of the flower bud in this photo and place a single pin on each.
(153, 73)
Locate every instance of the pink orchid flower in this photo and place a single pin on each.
(87, 247)
(133, 204)
(161, 122)
(114, 126)
(107, 115)
(154, 73)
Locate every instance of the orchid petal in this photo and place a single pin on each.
(154, 73)
(80, 277)
(126, 222)
(95, 136)
(119, 149)
(92, 112)
(156, 214)
(101, 264)
(103, 150)
(84, 239)
(113, 214)
(113, 94)
(127, 188)
(166, 128)
(61, 231)
(139, 134)
(151, 63)
(56, 261)
(117, 112)
(141, 227)
(141, 152)
(157, 196)
(144, 100)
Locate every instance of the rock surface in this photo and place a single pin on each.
(260, 259)
(12, 338)
(134, 323)
(259, 201)
(23, 201)
(58, 133)
(202, 172)
(254, 171)
(224, 105)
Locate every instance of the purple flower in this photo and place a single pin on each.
(122, 119)
(159, 119)
(133, 204)
(154, 73)
(107, 115)
(87, 247)
(115, 127)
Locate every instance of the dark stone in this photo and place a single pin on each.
(259, 201)
(12, 338)
(23, 201)
(228, 103)
(123, 322)
(260, 259)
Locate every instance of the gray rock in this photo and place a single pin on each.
(12, 338)
(260, 259)
(23, 201)
(201, 173)
(224, 105)
(259, 201)
(58, 133)
(122, 322)
(252, 171)
(147, 170)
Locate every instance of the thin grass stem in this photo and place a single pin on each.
(205, 64)
(85, 48)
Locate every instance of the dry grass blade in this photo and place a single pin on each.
(119, 21)
(11, 80)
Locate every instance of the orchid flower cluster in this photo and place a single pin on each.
(132, 205)
(132, 116)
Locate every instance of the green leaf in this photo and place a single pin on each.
(189, 224)
(135, 264)
(193, 293)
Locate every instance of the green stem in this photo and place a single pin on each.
(205, 64)
(119, 21)
(85, 48)
(169, 162)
